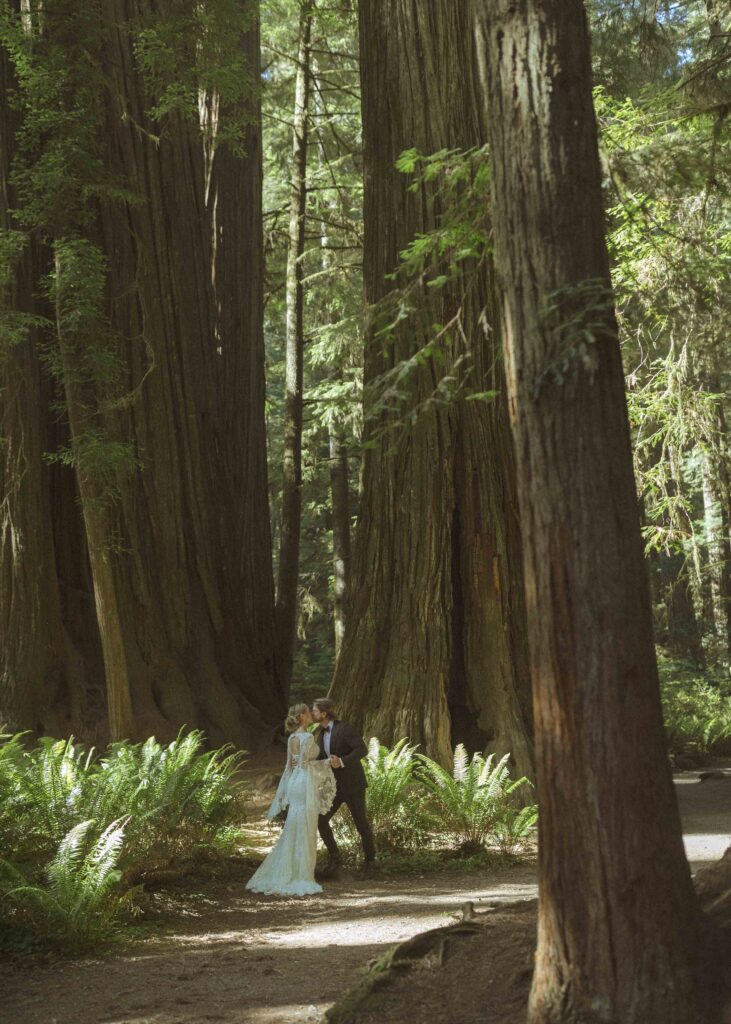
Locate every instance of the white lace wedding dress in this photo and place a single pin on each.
(307, 789)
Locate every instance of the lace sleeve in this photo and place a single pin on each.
(281, 800)
(325, 785)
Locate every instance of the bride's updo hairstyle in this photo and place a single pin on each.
(292, 720)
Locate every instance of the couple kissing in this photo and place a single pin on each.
(323, 771)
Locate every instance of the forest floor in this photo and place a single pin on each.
(217, 953)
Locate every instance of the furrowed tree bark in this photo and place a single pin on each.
(289, 546)
(178, 527)
(49, 644)
(619, 929)
(196, 584)
(435, 646)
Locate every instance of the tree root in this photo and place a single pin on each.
(430, 948)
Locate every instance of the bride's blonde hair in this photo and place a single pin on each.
(292, 720)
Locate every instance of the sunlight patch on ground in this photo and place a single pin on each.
(366, 931)
(293, 1012)
(207, 939)
(702, 849)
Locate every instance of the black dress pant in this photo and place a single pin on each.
(356, 804)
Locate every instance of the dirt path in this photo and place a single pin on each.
(241, 959)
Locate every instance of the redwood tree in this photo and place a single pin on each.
(158, 345)
(50, 659)
(618, 924)
(434, 647)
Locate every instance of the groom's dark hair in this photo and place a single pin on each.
(325, 705)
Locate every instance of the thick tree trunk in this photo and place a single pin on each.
(49, 645)
(196, 582)
(340, 505)
(289, 547)
(435, 647)
(179, 533)
(618, 921)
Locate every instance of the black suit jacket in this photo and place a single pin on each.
(347, 744)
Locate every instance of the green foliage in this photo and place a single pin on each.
(577, 317)
(418, 808)
(459, 181)
(477, 800)
(393, 798)
(438, 271)
(181, 800)
(696, 709)
(667, 158)
(192, 59)
(332, 287)
(77, 831)
(79, 905)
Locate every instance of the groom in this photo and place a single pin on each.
(344, 747)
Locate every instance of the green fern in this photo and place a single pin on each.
(515, 828)
(79, 906)
(471, 803)
(45, 793)
(393, 799)
(179, 799)
(72, 826)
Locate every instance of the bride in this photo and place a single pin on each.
(307, 789)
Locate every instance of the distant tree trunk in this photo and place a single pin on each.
(340, 503)
(679, 581)
(169, 447)
(337, 443)
(435, 647)
(683, 635)
(716, 521)
(289, 546)
(618, 930)
(718, 37)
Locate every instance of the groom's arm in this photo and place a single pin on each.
(358, 749)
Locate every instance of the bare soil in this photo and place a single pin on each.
(222, 954)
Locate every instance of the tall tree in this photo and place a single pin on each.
(49, 653)
(618, 923)
(340, 505)
(435, 645)
(289, 544)
(159, 349)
